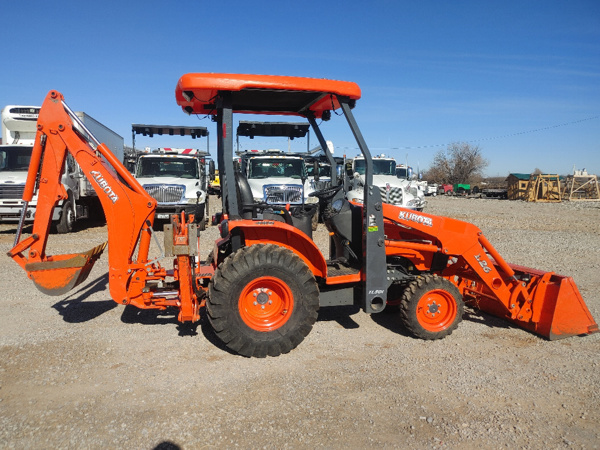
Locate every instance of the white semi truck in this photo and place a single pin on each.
(280, 178)
(405, 172)
(174, 177)
(19, 124)
(396, 191)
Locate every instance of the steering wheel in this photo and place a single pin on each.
(327, 193)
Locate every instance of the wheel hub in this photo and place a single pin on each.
(265, 302)
(262, 298)
(436, 310)
(433, 308)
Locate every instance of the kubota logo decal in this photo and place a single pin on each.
(99, 178)
(404, 215)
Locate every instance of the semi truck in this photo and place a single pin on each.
(395, 191)
(276, 177)
(174, 177)
(18, 135)
(405, 172)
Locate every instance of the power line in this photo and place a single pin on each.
(484, 139)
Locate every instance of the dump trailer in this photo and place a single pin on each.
(264, 280)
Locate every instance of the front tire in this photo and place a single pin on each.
(263, 300)
(431, 307)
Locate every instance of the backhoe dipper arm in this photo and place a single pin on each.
(129, 210)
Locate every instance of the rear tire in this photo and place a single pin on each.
(431, 307)
(263, 300)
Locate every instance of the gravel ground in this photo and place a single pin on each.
(79, 371)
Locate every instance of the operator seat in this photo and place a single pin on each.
(247, 209)
(244, 196)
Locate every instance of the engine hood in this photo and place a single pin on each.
(384, 180)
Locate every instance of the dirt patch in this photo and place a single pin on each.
(79, 371)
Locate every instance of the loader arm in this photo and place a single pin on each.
(542, 302)
(129, 210)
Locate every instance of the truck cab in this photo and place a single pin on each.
(405, 172)
(276, 177)
(395, 191)
(176, 178)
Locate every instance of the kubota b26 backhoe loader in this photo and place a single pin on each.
(265, 279)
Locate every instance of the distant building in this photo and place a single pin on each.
(534, 187)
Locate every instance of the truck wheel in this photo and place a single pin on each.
(315, 220)
(206, 212)
(431, 307)
(263, 300)
(201, 224)
(200, 216)
(67, 219)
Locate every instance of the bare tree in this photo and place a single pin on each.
(459, 163)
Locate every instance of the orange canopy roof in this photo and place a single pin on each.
(262, 94)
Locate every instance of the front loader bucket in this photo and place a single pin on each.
(61, 273)
(563, 312)
(557, 309)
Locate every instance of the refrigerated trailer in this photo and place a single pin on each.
(19, 126)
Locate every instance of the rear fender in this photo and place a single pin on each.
(279, 233)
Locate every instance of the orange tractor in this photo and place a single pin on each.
(265, 279)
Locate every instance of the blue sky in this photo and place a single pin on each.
(521, 79)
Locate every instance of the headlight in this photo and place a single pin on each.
(412, 203)
(312, 200)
